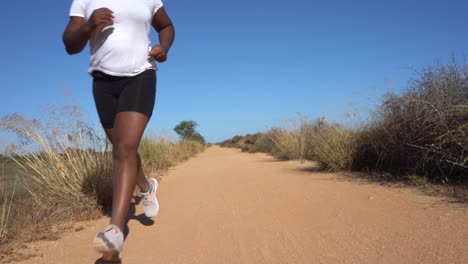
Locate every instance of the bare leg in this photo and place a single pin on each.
(126, 136)
(142, 183)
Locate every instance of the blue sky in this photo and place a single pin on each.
(242, 66)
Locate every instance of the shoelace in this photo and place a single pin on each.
(112, 230)
(148, 200)
(147, 196)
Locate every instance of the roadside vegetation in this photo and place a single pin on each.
(419, 135)
(59, 170)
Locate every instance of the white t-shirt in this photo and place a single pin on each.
(120, 49)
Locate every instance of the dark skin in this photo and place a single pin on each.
(128, 126)
(78, 31)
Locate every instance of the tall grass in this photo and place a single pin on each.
(159, 154)
(333, 146)
(7, 193)
(421, 133)
(287, 144)
(282, 143)
(16, 208)
(65, 165)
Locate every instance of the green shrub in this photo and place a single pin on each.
(264, 143)
(235, 142)
(187, 131)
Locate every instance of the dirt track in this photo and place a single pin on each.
(229, 207)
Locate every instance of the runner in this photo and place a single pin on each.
(124, 87)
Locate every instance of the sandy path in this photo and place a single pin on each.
(229, 207)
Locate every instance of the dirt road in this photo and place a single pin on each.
(230, 207)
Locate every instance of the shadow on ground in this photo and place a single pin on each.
(101, 261)
(141, 218)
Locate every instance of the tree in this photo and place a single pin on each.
(186, 131)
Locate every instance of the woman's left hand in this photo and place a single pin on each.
(158, 53)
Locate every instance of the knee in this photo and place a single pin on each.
(124, 151)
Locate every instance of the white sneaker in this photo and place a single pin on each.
(150, 202)
(109, 242)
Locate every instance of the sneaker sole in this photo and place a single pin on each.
(103, 246)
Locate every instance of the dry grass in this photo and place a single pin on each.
(422, 131)
(288, 144)
(69, 167)
(7, 194)
(282, 143)
(159, 154)
(331, 145)
(186, 149)
(65, 166)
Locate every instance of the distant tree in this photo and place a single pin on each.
(186, 130)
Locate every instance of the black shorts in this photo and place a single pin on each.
(113, 95)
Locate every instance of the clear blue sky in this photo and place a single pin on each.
(242, 66)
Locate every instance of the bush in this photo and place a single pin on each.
(331, 145)
(281, 143)
(187, 131)
(264, 143)
(422, 131)
(248, 143)
(288, 144)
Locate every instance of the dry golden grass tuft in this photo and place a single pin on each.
(64, 168)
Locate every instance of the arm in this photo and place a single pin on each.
(76, 35)
(163, 25)
(78, 32)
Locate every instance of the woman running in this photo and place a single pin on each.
(124, 88)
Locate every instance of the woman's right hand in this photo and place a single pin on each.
(101, 16)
